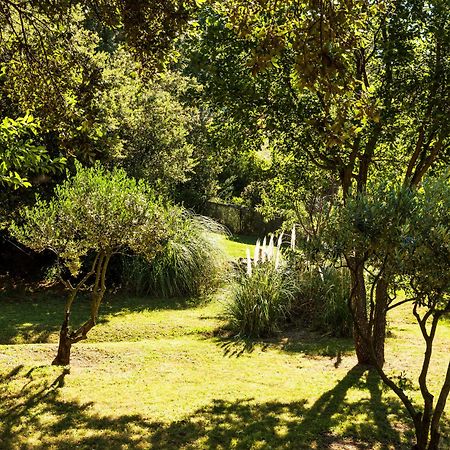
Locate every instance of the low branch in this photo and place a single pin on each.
(400, 303)
(81, 333)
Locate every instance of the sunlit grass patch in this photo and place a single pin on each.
(153, 375)
(236, 246)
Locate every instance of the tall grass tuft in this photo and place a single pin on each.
(322, 300)
(190, 265)
(261, 301)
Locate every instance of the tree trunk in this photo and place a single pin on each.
(359, 307)
(65, 343)
(422, 438)
(434, 440)
(379, 322)
(438, 411)
(422, 434)
(66, 338)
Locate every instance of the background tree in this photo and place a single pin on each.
(148, 27)
(372, 82)
(149, 122)
(96, 213)
(94, 101)
(20, 156)
(248, 120)
(58, 59)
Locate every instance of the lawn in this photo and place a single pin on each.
(161, 374)
(236, 246)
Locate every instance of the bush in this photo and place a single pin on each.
(261, 302)
(322, 300)
(191, 264)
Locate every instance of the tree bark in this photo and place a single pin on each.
(423, 436)
(440, 405)
(65, 344)
(379, 322)
(359, 312)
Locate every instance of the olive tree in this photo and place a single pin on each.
(424, 260)
(95, 213)
(405, 234)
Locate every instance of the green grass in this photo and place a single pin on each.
(236, 246)
(153, 374)
(38, 318)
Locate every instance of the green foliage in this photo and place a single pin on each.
(190, 264)
(323, 36)
(148, 28)
(95, 210)
(147, 121)
(374, 221)
(404, 236)
(261, 302)
(57, 81)
(94, 104)
(19, 155)
(354, 92)
(377, 71)
(233, 107)
(424, 253)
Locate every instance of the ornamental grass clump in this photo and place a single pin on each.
(191, 264)
(322, 300)
(262, 296)
(261, 301)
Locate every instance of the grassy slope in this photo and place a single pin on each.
(236, 246)
(153, 375)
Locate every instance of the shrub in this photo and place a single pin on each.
(261, 301)
(191, 264)
(322, 300)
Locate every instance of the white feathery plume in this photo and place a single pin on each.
(257, 250)
(270, 249)
(249, 263)
(293, 238)
(264, 250)
(280, 240)
(277, 258)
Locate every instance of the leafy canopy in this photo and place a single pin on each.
(20, 156)
(95, 210)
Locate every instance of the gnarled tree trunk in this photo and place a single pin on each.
(379, 320)
(66, 337)
(368, 332)
(65, 343)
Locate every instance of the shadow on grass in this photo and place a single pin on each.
(32, 317)
(306, 342)
(37, 411)
(243, 239)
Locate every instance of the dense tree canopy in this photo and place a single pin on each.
(147, 27)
